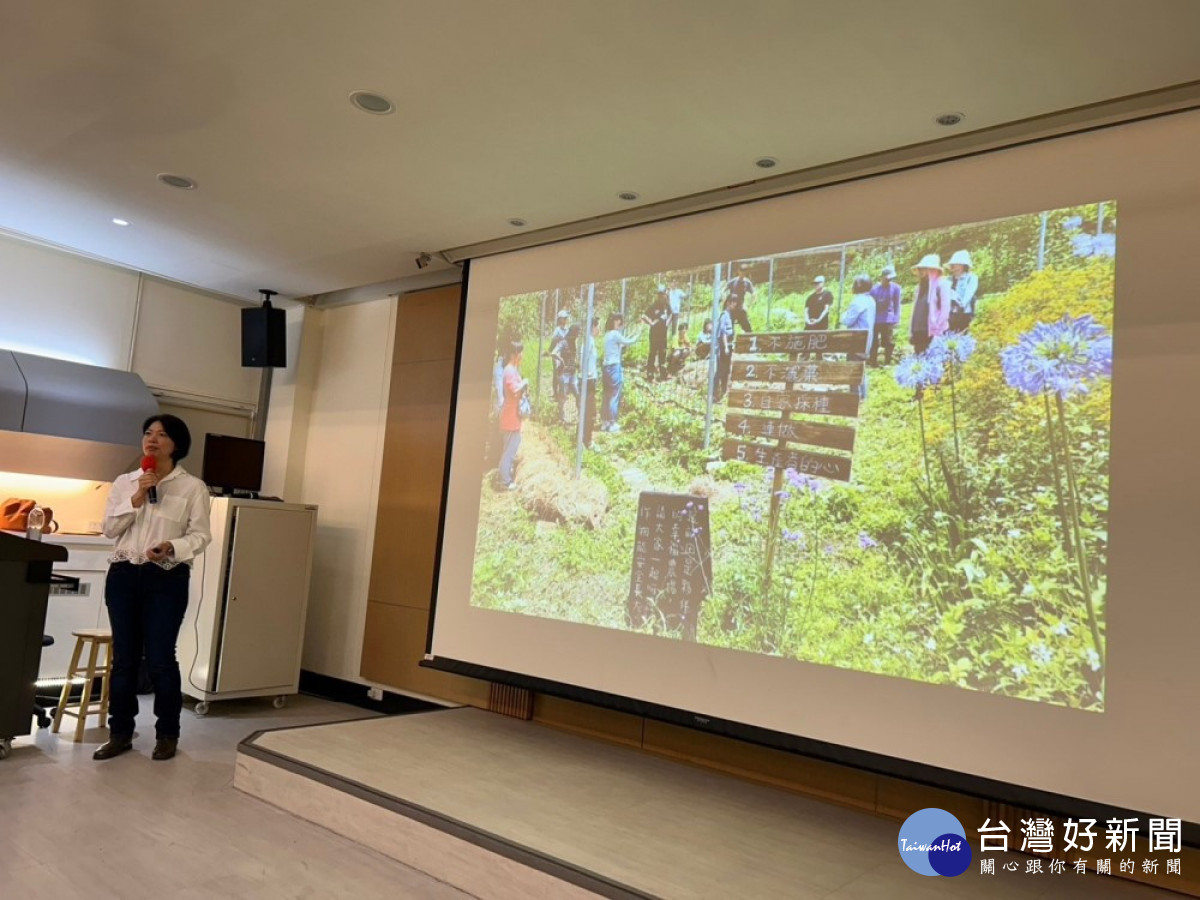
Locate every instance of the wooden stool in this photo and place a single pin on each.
(86, 675)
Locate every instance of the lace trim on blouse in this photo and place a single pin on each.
(139, 559)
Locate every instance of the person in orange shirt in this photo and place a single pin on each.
(510, 415)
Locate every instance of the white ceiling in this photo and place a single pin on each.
(538, 109)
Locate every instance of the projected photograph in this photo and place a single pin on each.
(889, 455)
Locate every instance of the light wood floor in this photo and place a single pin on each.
(131, 828)
(660, 827)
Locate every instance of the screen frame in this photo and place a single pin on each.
(841, 754)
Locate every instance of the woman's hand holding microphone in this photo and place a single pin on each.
(148, 480)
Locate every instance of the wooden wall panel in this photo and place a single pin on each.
(393, 646)
(592, 721)
(427, 326)
(410, 488)
(849, 787)
(410, 497)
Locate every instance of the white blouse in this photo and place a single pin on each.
(180, 516)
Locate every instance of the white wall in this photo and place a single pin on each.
(57, 304)
(346, 356)
(191, 343)
(291, 404)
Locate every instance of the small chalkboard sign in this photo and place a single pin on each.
(672, 563)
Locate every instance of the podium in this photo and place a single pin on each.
(24, 592)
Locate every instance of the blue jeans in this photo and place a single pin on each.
(146, 604)
(613, 380)
(508, 455)
(568, 386)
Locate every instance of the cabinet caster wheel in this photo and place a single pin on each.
(279, 702)
(202, 708)
(5, 748)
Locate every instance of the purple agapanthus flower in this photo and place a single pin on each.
(792, 536)
(920, 371)
(866, 542)
(801, 482)
(952, 347)
(1062, 358)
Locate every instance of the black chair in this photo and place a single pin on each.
(44, 715)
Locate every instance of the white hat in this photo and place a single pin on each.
(563, 314)
(888, 272)
(820, 279)
(960, 258)
(929, 261)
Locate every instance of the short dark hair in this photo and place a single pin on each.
(176, 430)
(516, 348)
(613, 319)
(862, 284)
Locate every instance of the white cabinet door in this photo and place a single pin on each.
(265, 600)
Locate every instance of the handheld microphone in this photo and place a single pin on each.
(149, 465)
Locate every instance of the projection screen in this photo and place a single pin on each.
(901, 465)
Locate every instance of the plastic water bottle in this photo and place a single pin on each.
(37, 520)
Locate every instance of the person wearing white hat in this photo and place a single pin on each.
(816, 310)
(931, 306)
(887, 315)
(965, 284)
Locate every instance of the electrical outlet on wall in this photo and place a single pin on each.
(374, 693)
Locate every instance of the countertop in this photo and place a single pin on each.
(66, 539)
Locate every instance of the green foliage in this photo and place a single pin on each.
(963, 578)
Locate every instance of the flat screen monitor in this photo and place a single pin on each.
(233, 464)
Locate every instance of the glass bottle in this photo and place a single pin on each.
(37, 520)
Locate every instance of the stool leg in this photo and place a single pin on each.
(65, 697)
(85, 700)
(105, 675)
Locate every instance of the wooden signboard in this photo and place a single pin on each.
(806, 383)
(817, 403)
(836, 437)
(672, 563)
(802, 342)
(816, 465)
(848, 374)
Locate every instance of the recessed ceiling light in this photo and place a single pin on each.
(120, 222)
(177, 181)
(766, 162)
(517, 223)
(949, 119)
(628, 196)
(370, 102)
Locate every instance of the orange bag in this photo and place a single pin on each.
(14, 515)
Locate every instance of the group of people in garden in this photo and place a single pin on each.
(941, 303)
(590, 367)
